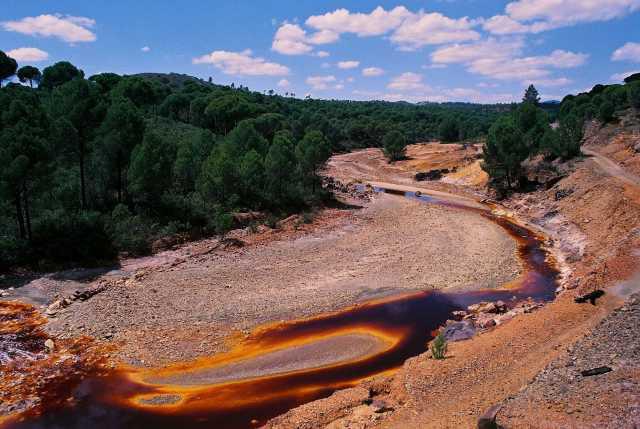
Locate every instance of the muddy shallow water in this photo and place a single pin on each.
(400, 326)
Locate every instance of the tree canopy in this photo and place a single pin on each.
(108, 164)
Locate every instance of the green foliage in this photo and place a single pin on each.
(129, 232)
(634, 94)
(531, 96)
(449, 130)
(564, 142)
(503, 153)
(438, 347)
(106, 81)
(606, 111)
(8, 67)
(60, 73)
(29, 74)
(110, 163)
(394, 145)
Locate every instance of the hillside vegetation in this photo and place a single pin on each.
(527, 132)
(96, 166)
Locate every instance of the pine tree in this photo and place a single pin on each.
(531, 95)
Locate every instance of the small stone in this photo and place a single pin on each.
(49, 344)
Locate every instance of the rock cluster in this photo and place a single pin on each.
(353, 190)
(483, 315)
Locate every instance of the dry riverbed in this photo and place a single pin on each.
(390, 246)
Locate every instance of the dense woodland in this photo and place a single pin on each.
(100, 165)
(527, 131)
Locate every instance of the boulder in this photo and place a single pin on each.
(488, 419)
(459, 331)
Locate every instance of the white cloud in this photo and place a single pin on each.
(322, 54)
(345, 65)
(528, 68)
(351, 79)
(376, 23)
(620, 77)
(408, 82)
(145, 49)
(242, 63)
(372, 71)
(409, 30)
(339, 87)
(284, 83)
(433, 29)
(465, 53)
(534, 16)
(68, 28)
(291, 39)
(630, 52)
(28, 54)
(320, 82)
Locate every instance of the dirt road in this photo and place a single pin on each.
(612, 168)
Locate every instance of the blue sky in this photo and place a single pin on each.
(446, 50)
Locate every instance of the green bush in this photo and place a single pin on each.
(394, 145)
(128, 232)
(438, 347)
(633, 93)
(61, 238)
(606, 111)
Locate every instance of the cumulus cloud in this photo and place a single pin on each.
(291, 39)
(376, 23)
(145, 49)
(500, 59)
(536, 67)
(28, 54)
(284, 83)
(433, 29)
(629, 52)
(468, 52)
(408, 82)
(242, 63)
(322, 54)
(321, 82)
(372, 71)
(72, 29)
(345, 65)
(534, 16)
(409, 30)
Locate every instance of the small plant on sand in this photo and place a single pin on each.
(438, 347)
